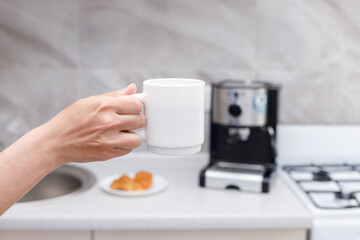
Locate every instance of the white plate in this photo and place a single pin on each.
(159, 184)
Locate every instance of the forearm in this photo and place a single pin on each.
(24, 164)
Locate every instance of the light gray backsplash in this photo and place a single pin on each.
(54, 52)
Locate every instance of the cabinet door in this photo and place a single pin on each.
(45, 235)
(281, 234)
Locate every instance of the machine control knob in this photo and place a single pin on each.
(235, 110)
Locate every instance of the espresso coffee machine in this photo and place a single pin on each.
(243, 130)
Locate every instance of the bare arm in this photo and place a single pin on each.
(92, 129)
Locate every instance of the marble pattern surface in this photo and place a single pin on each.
(38, 34)
(31, 97)
(54, 52)
(312, 48)
(162, 34)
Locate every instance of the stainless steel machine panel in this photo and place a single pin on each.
(240, 106)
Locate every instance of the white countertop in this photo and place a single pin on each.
(184, 205)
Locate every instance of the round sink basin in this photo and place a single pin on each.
(64, 182)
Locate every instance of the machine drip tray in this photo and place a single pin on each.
(237, 176)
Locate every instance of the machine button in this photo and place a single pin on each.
(235, 110)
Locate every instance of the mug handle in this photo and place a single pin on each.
(141, 131)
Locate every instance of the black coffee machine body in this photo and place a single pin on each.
(243, 136)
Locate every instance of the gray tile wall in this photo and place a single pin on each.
(54, 52)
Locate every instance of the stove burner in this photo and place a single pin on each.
(321, 176)
(328, 186)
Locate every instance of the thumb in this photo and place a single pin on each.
(131, 89)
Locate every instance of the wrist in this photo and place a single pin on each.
(45, 147)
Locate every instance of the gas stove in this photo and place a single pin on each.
(321, 165)
(335, 186)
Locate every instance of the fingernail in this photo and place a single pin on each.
(129, 85)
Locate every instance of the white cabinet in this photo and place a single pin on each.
(45, 235)
(279, 234)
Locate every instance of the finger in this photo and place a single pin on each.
(131, 89)
(127, 105)
(127, 141)
(131, 122)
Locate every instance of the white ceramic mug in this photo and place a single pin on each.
(174, 109)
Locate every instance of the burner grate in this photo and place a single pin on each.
(328, 186)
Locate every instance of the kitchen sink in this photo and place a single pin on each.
(64, 182)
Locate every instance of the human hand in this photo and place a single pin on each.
(91, 129)
(95, 128)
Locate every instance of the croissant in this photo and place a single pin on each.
(126, 183)
(144, 179)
